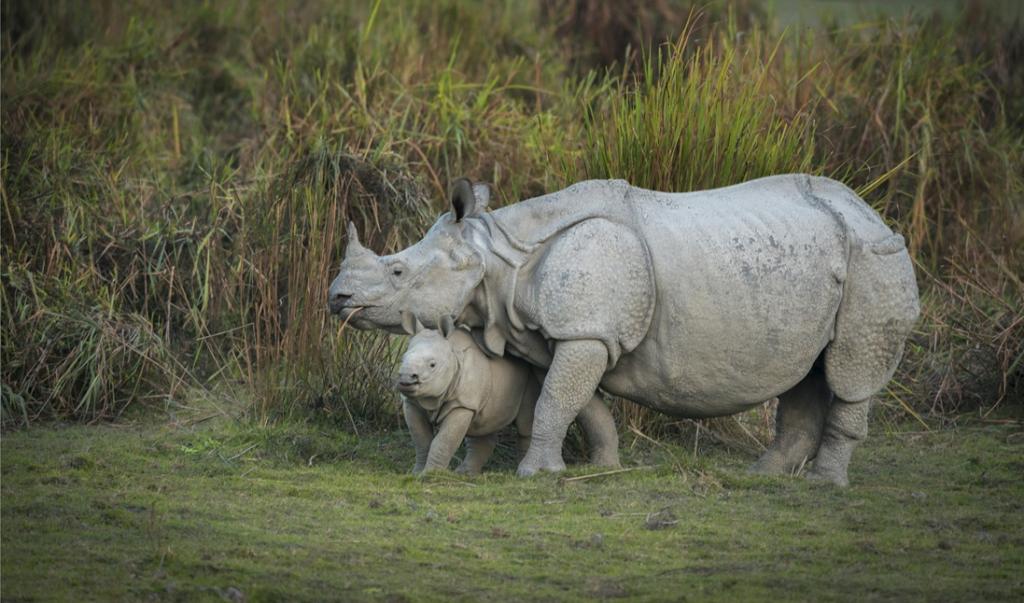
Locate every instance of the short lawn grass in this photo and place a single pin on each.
(226, 510)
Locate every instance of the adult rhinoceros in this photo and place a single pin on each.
(696, 304)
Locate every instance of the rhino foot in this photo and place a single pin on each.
(827, 474)
(606, 457)
(847, 426)
(770, 463)
(533, 464)
(467, 470)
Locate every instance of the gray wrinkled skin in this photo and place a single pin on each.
(452, 390)
(695, 304)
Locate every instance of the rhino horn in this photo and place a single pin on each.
(468, 199)
(354, 247)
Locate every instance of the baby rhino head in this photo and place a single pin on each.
(428, 365)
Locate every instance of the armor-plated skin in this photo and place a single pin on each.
(451, 390)
(696, 304)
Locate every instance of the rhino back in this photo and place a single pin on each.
(747, 281)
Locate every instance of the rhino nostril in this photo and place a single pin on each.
(340, 297)
(414, 377)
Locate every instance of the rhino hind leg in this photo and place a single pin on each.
(799, 423)
(879, 308)
(603, 438)
(846, 426)
(478, 452)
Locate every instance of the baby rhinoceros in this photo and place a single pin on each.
(452, 391)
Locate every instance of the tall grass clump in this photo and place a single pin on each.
(695, 121)
(190, 171)
(923, 104)
(176, 180)
(913, 97)
(77, 356)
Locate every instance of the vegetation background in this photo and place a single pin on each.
(176, 178)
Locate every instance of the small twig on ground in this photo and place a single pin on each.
(800, 470)
(193, 422)
(235, 456)
(448, 477)
(677, 464)
(580, 478)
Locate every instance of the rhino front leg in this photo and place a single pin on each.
(596, 420)
(448, 438)
(421, 431)
(846, 426)
(478, 451)
(571, 381)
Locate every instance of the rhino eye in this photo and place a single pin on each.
(433, 364)
(396, 271)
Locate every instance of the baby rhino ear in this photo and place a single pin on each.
(411, 324)
(447, 326)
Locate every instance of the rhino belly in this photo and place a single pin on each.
(511, 384)
(747, 295)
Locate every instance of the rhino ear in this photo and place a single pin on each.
(482, 194)
(447, 326)
(464, 200)
(411, 324)
(354, 247)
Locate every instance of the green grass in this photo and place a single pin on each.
(175, 186)
(176, 182)
(164, 511)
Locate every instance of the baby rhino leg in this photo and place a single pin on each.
(478, 451)
(421, 431)
(449, 435)
(524, 424)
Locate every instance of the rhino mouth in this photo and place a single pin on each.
(409, 387)
(348, 310)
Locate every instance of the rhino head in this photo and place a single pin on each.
(429, 366)
(435, 277)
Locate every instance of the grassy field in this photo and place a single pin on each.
(221, 511)
(175, 184)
